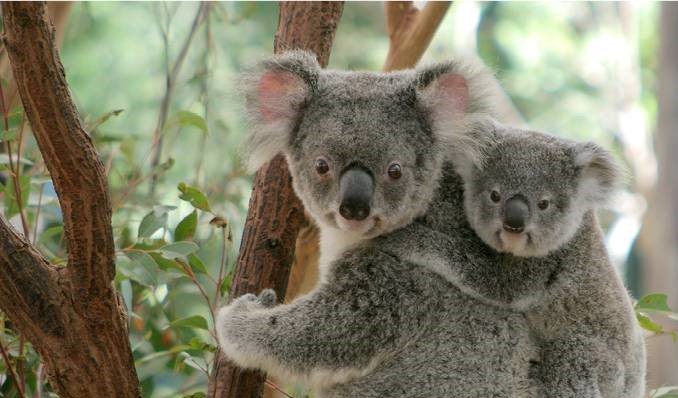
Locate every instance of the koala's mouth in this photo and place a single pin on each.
(366, 227)
(516, 243)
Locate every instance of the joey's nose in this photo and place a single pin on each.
(356, 187)
(516, 212)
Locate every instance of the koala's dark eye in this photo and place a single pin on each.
(321, 166)
(495, 197)
(543, 204)
(395, 171)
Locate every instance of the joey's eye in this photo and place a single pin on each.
(495, 197)
(543, 204)
(321, 166)
(395, 171)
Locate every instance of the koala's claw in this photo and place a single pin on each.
(268, 298)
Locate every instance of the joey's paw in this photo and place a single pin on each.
(267, 298)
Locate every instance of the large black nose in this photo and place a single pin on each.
(516, 212)
(356, 187)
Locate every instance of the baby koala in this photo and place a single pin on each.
(533, 244)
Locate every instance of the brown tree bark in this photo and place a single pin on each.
(659, 238)
(58, 12)
(410, 31)
(275, 213)
(72, 314)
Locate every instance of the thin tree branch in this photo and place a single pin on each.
(173, 73)
(411, 31)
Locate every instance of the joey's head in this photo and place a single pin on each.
(365, 150)
(528, 192)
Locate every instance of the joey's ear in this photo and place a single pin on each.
(469, 151)
(275, 92)
(599, 173)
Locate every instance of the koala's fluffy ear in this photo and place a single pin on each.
(468, 151)
(275, 93)
(458, 98)
(599, 173)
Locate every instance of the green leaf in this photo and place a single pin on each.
(196, 264)
(166, 264)
(187, 118)
(647, 323)
(11, 202)
(179, 249)
(198, 394)
(154, 220)
(655, 302)
(185, 230)
(103, 118)
(144, 270)
(9, 135)
(195, 321)
(197, 344)
(226, 284)
(193, 196)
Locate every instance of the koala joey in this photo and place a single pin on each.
(366, 152)
(533, 244)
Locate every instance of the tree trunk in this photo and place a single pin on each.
(275, 213)
(72, 314)
(660, 236)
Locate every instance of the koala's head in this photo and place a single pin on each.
(365, 150)
(528, 192)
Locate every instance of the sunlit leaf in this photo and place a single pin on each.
(196, 264)
(648, 324)
(185, 230)
(179, 249)
(655, 302)
(195, 321)
(193, 196)
(144, 270)
(103, 118)
(187, 118)
(154, 220)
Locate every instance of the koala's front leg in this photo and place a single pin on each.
(339, 331)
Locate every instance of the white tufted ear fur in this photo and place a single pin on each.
(599, 175)
(459, 98)
(275, 93)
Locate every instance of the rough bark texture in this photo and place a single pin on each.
(58, 12)
(71, 315)
(275, 213)
(659, 237)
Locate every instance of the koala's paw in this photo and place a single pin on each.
(267, 298)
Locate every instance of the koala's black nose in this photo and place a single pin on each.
(356, 187)
(516, 212)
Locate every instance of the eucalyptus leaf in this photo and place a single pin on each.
(195, 322)
(185, 230)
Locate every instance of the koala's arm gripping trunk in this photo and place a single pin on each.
(369, 305)
(276, 215)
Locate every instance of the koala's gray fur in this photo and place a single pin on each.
(556, 271)
(383, 322)
(377, 325)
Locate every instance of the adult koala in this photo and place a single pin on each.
(366, 152)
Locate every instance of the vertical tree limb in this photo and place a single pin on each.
(275, 213)
(410, 31)
(71, 315)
